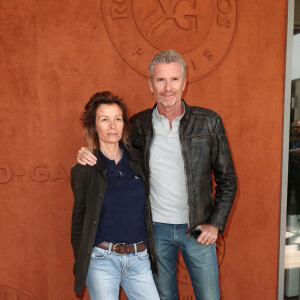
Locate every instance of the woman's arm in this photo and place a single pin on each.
(79, 184)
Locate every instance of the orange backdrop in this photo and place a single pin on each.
(55, 54)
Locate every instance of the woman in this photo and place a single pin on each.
(111, 221)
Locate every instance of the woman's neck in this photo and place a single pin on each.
(111, 151)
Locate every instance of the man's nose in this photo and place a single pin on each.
(168, 86)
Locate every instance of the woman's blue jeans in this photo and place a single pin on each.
(200, 261)
(107, 271)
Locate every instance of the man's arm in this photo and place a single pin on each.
(225, 178)
(86, 157)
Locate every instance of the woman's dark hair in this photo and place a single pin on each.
(88, 118)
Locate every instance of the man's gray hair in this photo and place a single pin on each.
(167, 56)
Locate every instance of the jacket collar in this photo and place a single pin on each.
(186, 115)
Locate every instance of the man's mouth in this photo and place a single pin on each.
(168, 96)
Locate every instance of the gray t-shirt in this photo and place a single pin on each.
(168, 194)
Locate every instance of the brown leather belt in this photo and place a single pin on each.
(122, 248)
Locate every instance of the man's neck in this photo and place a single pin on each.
(170, 113)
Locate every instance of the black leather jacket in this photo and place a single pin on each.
(89, 185)
(205, 152)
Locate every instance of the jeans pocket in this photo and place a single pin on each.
(143, 254)
(98, 253)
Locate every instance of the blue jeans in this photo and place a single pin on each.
(108, 271)
(200, 261)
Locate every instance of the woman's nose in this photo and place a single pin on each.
(112, 124)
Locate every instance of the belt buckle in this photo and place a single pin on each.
(114, 249)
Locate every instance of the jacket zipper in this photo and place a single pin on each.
(186, 181)
(148, 150)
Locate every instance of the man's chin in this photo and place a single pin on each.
(169, 103)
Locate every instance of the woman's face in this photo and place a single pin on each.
(109, 123)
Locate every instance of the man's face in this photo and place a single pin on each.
(167, 84)
(296, 129)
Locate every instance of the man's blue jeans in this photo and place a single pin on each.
(108, 271)
(200, 261)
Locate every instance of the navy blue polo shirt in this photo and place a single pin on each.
(122, 217)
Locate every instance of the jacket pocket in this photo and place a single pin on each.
(200, 137)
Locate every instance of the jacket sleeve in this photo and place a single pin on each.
(141, 123)
(225, 178)
(79, 184)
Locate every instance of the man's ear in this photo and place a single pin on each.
(150, 85)
(184, 83)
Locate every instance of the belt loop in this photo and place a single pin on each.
(109, 248)
(135, 249)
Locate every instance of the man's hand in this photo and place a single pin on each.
(208, 235)
(85, 156)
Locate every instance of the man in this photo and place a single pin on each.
(183, 145)
(293, 200)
